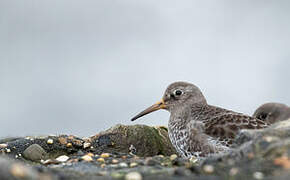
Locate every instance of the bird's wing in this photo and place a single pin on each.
(226, 126)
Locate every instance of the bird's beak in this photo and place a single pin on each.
(154, 107)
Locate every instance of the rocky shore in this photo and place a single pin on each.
(143, 152)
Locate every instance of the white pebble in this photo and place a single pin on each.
(208, 168)
(258, 175)
(123, 165)
(133, 176)
(86, 145)
(3, 145)
(50, 141)
(62, 158)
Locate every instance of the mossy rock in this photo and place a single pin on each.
(145, 140)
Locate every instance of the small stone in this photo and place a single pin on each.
(103, 165)
(86, 145)
(90, 154)
(69, 145)
(105, 155)
(8, 150)
(233, 171)
(173, 157)
(123, 165)
(87, 158)
(133, 176)
(270, 138)
(102, 160)
(133, 164)
(62, 140)
(62, 158)
(208, 168)
(124, 157)
(258, 175)
(3, 145)
(19, 171)
(34, 152)
(49, 161)
(50, 141)
(115, 161)
(161, 156)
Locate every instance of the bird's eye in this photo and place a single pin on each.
(262, 116)
(178, 92)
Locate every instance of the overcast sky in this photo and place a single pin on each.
(78, 67)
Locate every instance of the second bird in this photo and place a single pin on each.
(196, 128)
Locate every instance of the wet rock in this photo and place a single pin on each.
(34, 153)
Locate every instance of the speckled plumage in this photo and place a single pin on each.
(196, 128)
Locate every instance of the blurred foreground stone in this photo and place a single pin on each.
(143, 152)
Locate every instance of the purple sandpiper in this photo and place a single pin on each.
(195, 128)
(272, 112)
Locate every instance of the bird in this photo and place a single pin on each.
(195, 128)
(272, 112)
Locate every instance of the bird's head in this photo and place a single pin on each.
(176, 95)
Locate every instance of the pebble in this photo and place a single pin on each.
(50, 141)
(62, 140)
(102, 160)
(133, 164)
(49, 161)
(234, 171)
(8, 150)
(105, 155)
(3, 145)
(62, 158)
(103, 165)
(87, 158)
(133, 176)
(115, 161)
(90, 154)
(258, 175)
(34, 152)
(173, 157)
(86, 145)
(208, 168)
(69, 145)
(123, 165)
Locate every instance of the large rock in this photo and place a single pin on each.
(141, 140)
